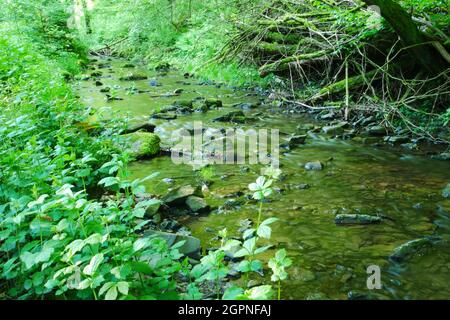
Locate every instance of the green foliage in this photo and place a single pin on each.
(185, 34)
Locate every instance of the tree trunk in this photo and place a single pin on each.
(87, 17)
(416, 42)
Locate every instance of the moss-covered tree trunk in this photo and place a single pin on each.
(416, 42)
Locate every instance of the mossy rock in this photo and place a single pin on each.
(133, 77)
(234, 116)
(143, 144)
(348, 219)
(162, 66)
(180, 194)
(128, 65)
(196, 204)
(409, 249)
(183, 103)
(214, 103)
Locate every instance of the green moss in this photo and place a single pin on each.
(143, 144)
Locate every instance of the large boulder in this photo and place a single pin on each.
(196, 204)
(143, 144)
(190, 248)
(349, 219)
(179, 194)
(140, 126)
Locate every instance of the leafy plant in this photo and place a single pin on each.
(278, 264)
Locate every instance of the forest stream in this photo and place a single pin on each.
(330, 260)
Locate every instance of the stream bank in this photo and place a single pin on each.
(357, 175)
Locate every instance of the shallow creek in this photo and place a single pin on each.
(329, 260)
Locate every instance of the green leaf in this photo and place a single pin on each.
(112, 293)
(94, 239)
(269, 221)
(105, 287)
(109, 181)
(232, 293)
(264, 292)
(262, 249)
(264, 231)
(123, 287)
(140, 244)
(93, 265)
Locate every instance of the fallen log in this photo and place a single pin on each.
(283, 64)
(350, 83)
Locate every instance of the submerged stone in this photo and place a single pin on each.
(295, 141)
(143, 144)
(246, 106)
(233, 116)
(346, 219)
(407, 250)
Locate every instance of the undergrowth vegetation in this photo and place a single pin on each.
(57, 240)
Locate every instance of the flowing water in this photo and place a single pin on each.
(329, 260)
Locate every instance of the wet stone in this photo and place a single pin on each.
(407, 250)
(353, 219)
(377, 131)
(164, 116)
(180, 193)
(445, 156)
(314, 166)
(196, 204)
(133, 77)
(446, 191)
(234, 116)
